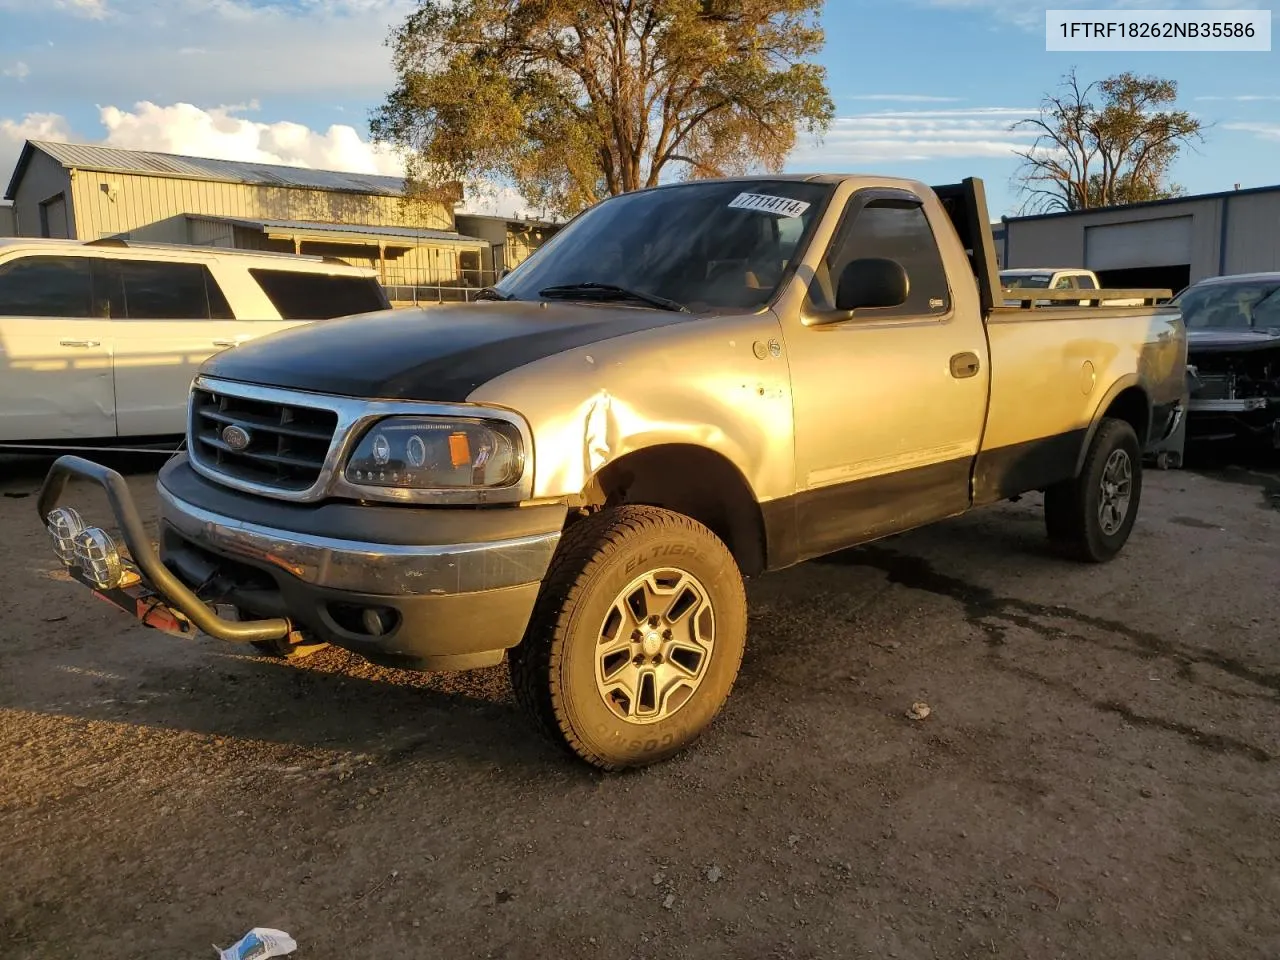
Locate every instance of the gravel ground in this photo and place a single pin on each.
(1098, 776)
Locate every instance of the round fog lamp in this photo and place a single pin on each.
(98, 558)
(64, 525)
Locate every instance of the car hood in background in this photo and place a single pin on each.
(1230, 340)
(440, 353)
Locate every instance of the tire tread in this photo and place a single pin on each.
(585, 547)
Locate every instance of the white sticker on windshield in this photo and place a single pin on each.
(782, 206)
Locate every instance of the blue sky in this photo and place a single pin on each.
(923, 88)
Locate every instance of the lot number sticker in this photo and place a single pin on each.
(782, 206)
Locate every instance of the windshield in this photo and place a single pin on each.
(1246, 304)
(709, 246)
(1037, 280)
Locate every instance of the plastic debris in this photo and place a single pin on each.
(258, 944)
(919, 710)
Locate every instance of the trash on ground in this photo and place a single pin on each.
(258, 944)
(714, 873)
(919, 710)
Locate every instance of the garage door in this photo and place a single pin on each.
(1146, 243)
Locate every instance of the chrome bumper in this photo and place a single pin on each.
(1248, 405)
(367, 568)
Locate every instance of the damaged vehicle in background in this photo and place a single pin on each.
(1233, 357)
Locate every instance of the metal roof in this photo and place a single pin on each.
(1145, 204)
(113, 160)
(339, 230)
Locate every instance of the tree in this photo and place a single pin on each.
(574, 100)
(1117, 150)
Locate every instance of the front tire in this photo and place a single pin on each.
(636, 638)
(1091, 516)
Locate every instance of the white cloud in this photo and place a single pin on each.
(34, 126)
(18, 70)
(214, 51)
(915, 135)
(1264, 131)
(905, 98)
(224, 133)
(1246, 97)
(93, 9)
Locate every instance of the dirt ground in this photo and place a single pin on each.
(1099, 777)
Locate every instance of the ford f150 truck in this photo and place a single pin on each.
(685, 385)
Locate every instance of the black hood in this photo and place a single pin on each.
(1230, 340)
(438, 353)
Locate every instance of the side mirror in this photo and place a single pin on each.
(872, 282)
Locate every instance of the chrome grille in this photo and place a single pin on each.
(287, 443)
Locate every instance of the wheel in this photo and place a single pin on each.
(1091, 516)
(636, 638)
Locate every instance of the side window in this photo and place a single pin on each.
(46, 287)
(1065, 282)
(898, 230)
(1086, 282)
(300, 295)
(108, 289)
(160, 290)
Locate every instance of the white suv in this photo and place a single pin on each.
(101, 340)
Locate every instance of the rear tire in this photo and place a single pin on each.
(1090, 517)
(636, 637)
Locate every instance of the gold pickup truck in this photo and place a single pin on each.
(686, 385)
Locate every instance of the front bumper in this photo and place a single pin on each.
(1251, 418)
(424, 588)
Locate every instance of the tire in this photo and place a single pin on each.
(1091, 521)
(580, 670)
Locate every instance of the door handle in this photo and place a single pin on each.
(964, 365)
(80, 343)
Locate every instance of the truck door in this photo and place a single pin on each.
(55, 352)
(889, 402)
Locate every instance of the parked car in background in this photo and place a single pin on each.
(1042, 278)
(100, 340)
(1233, 356)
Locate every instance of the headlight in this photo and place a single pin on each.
(433, 453)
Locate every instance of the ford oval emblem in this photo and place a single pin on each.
(235, 437)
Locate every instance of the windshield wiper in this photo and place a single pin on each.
(610, 291)
(492, 293)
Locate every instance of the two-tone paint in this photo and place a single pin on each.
(790, 437)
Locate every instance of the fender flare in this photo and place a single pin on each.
(1124, 383)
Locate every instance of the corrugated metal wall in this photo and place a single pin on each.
(45, 178)
(108, 204)
(1253, 233)
(1248, 241)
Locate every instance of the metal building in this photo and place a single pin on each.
(1163, 243)
(93, 192)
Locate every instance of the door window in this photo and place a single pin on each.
(46, 287)
(1085, 282)
(1065, 283)
(158, 290)
(897, 230)
(299, 295)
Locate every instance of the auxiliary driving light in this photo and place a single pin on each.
(64, 525)
(98, 558)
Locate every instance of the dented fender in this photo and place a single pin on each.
(717, 383)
